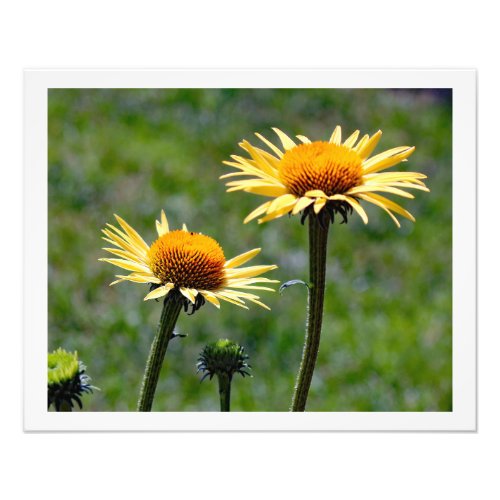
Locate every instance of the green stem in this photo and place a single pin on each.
(65, 406)
(169, 315)
(224, 391)
(318, 237)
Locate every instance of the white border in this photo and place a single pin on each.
(463, 416)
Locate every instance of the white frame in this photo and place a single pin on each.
(462, 418)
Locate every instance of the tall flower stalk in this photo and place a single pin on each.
(186, 269)
(172, 306)
(318, 237)
(321, 180)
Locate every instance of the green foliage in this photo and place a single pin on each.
(387, 335)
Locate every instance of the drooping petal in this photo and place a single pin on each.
(277, 213)
(319, 204)
(258, 211)
(302, 203)
(210, 297)
(281, 202)
(187, 292)
(381, 201)
(315, 193)
(159, 292)
(223, 296)
(358, 208)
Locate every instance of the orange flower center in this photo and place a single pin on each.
(320, 165)
(189, 260)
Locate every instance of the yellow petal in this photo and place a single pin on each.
(349, 142)
(241, 259)
(121, 280)
(249, 272)
(252, 287)
(127, 264)
(159, 292)
(381, 201)
(285, 140)
(387, 159)
(249, 281)
(126, 255)
(140, 278)
(132, 233)
(301, 204)
(281, 202)
(304, 139)
(123, 240)
(260, 304)
(361, 143)
(370, 188)
(184, 228)
(222, 296)
(187, 292)
(336, 136)
(370, 145)
(399, 176)
(319, 204)
(162, 227)
(277, 213)
(211, 298)
(250, 183)
(258, 211)
(270, 145)
(315, 193)
(261, 159)
(267, 190)
(409, 185)
(358, 208)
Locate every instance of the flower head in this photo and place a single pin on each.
(184, 265)
(66, 379)
(223, 357)
(323, 178)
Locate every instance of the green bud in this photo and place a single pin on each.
(66, 380)
(223, 357)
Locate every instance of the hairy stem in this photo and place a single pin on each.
(318, 237)
(169, 315)
(224, 391)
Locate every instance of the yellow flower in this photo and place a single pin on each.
(190, 263)
(312, 176)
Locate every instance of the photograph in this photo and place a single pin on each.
(268, 249)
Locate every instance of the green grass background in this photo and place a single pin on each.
(387, 337)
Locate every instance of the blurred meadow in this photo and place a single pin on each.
(387, 328)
